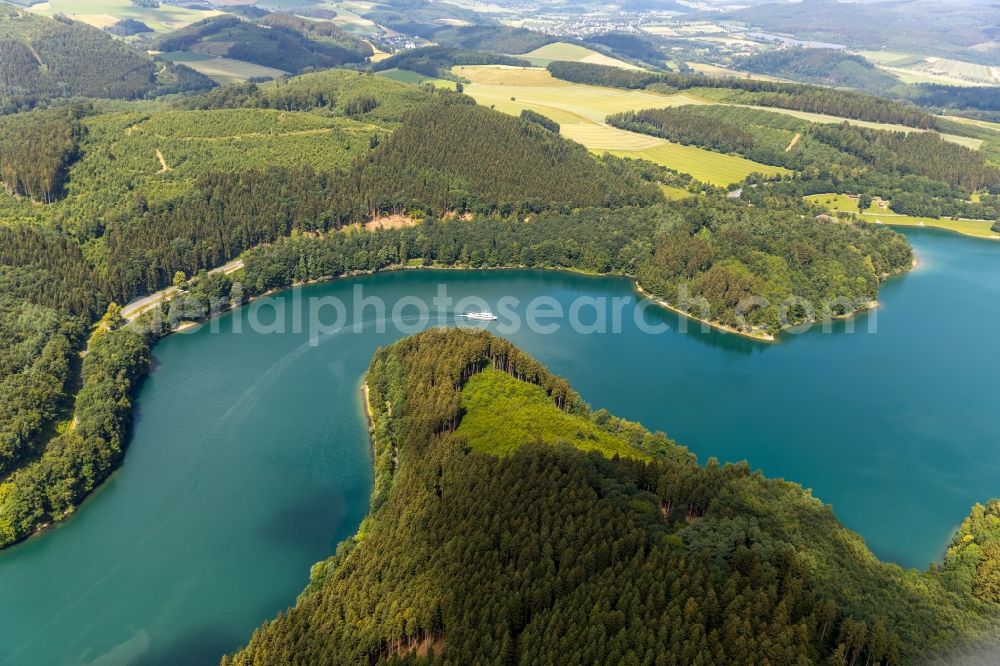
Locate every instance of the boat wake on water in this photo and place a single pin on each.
(480, 316)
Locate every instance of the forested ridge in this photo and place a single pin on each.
(282, 41)
(42, 59)
(830, 67)
(919, 172)
(737, 264)
(547, 553)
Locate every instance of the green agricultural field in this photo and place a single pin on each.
(893, 58)
(105, 13)
(503, 413)
(877, 215)
(581, 109)
(223, 70)
(542, 56)
(704, 165)
(415, 78)
(349, 20)
(536, 89)
(951, 72)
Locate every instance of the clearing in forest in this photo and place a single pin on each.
(877, 215)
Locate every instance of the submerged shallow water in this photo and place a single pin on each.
(250, 459)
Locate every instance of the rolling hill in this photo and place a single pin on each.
(280, 41)
(956, 29)
(42, 58)
(828, 67)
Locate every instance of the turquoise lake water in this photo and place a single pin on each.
(250, 459)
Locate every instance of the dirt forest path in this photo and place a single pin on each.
(164, 167)
(795, 140)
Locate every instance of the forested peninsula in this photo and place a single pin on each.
(592, 540)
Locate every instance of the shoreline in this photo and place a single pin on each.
(719, 326)
(900, 225)
(366, 403)
(757, 335)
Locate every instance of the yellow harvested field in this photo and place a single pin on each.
(957, 69)
(907, 75)
(605, 137)
(721, 72)
(536, 89)
(580, 111)
(886, 57)
(97, 20)
(706, 166)
(505, 75)
(919, 69)
(227, 70)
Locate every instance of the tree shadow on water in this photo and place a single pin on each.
(204, 645)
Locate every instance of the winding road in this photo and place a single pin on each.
(142, 305)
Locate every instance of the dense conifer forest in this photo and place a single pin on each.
(723, 253)
(549, 553)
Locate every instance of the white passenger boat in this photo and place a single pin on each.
(480, 316)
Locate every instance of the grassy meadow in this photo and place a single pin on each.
(581, 109)
(877, 215)
(349, 20)
(501, 414)
(416, 78)
(543, 55)
(706, 166)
